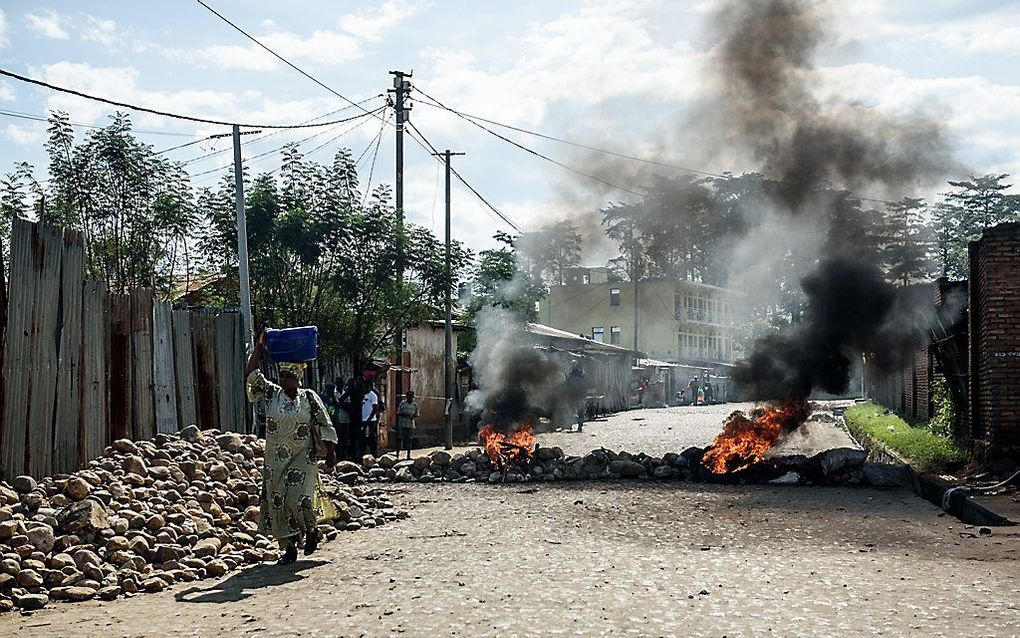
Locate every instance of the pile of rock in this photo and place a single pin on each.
(837, 466)
(148, 514)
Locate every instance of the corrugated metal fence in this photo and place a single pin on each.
(83, 367)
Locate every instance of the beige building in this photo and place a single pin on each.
(677, 321)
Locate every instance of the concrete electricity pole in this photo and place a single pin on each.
(401, 87)
(242, 247)
(448, 412)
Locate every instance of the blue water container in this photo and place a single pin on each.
(293, 345)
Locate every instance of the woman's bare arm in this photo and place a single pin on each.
(256, 354)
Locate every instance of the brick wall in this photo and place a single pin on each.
(995, 339)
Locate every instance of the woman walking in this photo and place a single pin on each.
(295, 419)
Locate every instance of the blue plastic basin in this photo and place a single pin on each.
(294, 345)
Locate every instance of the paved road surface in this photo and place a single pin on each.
(599, 559)
(661, 430)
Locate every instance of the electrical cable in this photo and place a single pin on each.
(280, 57)
(143, 109)
(41, 118)
(265, 136)
(438, 104)
(327, 142)
(270, 152)
(375, 154)
(540, 155)
(435, 153)
(471, 118)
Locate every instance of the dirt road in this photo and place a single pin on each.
(592, 559)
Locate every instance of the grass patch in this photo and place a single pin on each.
(931, 451)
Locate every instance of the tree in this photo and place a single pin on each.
(499, 281)
(949, 241)
(548, 252)
(19, 193)
(983, 202)
(133, 207)
(318, 256)
(905, 241)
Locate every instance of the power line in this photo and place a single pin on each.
(280, 57)
(42, 118)
(260, 137)
(432, 150)
(471, 118)
(536, 153)
(280, 148)
(328, 142)
(143, 109)
(375, 154)
(468, 116)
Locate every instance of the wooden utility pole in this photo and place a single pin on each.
(448, 412)
(634, 281)
(401, 87)
(242, 247)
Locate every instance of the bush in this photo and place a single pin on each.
(919, 444)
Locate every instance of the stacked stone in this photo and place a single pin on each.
(845, 466)
(146, 515)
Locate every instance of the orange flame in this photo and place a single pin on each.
(744, 441)
(506, 449)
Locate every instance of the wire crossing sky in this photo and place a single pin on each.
(561, 79)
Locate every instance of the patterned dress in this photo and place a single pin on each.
(291, 471)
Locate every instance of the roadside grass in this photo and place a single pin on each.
(931, 451)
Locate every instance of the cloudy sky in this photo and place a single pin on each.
(618, 75)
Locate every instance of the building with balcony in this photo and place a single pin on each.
(675, 321)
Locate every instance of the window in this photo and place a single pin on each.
(614, 335)
(598, 334)
(586, 278)
(614, 296)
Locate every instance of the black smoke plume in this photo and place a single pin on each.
(851, 309)
(516, 381)
(764, 71)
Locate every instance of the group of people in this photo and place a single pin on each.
(301, 428)
(698, 393)
(356, 408)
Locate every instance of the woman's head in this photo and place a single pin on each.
(290, 375)
(409, 395)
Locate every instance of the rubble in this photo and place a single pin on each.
(148, 514)
(838, 466)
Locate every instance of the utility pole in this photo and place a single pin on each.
(401, 87)
(634, 281)
(242, 247)
(448, 413)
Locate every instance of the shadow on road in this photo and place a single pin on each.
(241, 585)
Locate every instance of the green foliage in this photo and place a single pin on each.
(944, 417)
(549, 251)
(919, 444)
(133, 207)
(973, 205)
(499, 281)
(905, 251)
(318, 255)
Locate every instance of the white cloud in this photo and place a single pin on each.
(6, 91)
(46, 24)
(28, 135)
(369, 24)
(321, 47)
(99, 30)
(3, 30)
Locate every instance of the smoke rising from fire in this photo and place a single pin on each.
(514, 378)
(764, 69)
